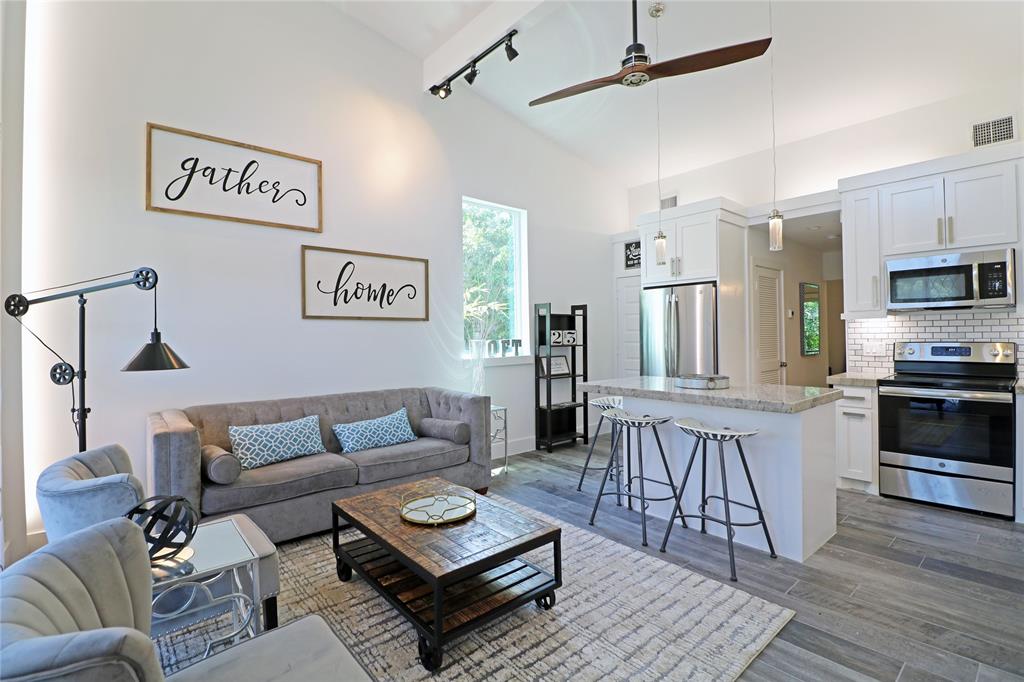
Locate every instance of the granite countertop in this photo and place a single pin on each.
(757, 397)
(864, 379)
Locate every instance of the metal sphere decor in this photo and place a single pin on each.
(168, 523)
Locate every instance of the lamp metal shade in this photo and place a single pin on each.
(155, 355)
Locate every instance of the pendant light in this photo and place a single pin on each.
(775, 217)
(655, 10)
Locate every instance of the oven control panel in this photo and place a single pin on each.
(956, 352)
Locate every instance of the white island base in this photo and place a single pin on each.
(792, 462)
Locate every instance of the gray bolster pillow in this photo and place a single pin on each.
(448, 429)
(219, 465)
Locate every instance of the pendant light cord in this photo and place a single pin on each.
(771, 88)
(657, 111)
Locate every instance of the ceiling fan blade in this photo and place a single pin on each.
(580, 88)
(708, 60)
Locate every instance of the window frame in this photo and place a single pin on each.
(521, 273)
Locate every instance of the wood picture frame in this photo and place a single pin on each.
(167, 166)
(341, 276)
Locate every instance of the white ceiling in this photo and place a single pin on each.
(419, 27)
(836, 64)
(821, 232)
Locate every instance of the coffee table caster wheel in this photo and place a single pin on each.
(430, 658)
(344, 571)
(546, 601)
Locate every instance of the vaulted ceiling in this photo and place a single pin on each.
(836, 64)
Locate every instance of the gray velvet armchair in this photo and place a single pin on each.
(79, 609)
(85, 489)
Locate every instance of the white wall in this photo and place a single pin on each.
(815, 164)
(306, 79)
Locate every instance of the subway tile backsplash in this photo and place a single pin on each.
(864, 337)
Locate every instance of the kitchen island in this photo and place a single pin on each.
(792, 459)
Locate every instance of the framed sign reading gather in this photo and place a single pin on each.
(357, 285)
(209, 177)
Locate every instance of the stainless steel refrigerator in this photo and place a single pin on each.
(679, 330)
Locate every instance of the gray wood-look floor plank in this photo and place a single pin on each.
(902, 592)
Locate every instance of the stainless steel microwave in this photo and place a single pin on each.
(982, 279)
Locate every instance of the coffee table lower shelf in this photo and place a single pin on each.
(461, 606)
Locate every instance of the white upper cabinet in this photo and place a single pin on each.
(698, 237)
(981, 205)
(862, 263)
(912, 216)
(691, 250)
(976, 206)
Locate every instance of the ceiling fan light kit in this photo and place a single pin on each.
(470, 70)
(637, 68)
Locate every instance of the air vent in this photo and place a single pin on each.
(991, 132)
(670, 202)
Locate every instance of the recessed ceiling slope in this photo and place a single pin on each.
(420, 27)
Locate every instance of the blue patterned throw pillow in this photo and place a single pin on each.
(263, 444)
(375, 433)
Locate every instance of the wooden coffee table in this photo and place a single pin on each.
(461, 576)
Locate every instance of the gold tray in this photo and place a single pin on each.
(430, 508)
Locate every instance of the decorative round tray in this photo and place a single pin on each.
(430, 508)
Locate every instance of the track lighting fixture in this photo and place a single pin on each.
(470, 71)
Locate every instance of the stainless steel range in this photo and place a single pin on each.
(946, 425)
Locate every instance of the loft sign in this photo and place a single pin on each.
(210, 177)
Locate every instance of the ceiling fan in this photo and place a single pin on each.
(637, 68)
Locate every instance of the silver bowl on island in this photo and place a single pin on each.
(705, 382)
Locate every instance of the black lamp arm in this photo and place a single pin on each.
(144, 278)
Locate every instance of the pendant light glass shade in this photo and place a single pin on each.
(775, 230)
(155, 355)
(660, 244)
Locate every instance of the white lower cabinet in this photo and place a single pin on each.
(857, 435)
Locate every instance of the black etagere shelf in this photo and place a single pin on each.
(557, 421)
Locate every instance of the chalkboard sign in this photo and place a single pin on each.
(632, 250)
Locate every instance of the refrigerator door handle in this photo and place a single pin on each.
(672, 331)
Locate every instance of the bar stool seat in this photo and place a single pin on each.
(622, 420)
(702, 433)
(602, 402)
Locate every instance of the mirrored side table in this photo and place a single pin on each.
(499, 432)
(208, 584)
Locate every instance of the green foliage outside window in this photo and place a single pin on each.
(810, 319)
(489, 236)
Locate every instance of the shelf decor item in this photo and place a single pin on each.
(436, 507)
(168, 524)
(155, 355)
(556, 422)
(209, 177)
(556, 337)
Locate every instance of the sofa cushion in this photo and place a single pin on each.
(390, 429)
(445, 429)
(219, 465)
(280, 481)
(262, 444)
(406, 459)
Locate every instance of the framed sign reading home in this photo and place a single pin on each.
(210, 177)
(356, 285)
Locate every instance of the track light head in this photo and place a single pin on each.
(441, 91)
(473, 73)
(510, 51)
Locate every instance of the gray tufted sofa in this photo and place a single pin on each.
(292, 498)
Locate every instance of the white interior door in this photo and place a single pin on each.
(627, 318)
(768, 325)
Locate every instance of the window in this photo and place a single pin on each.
(495, 296)
(810, 319)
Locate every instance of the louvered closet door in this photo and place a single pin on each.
(768, 325)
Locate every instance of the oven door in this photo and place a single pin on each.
(965, 433)
(932, 287)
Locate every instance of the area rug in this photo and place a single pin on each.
(620, 615)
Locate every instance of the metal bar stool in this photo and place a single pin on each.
(702, 434)
(624, 421)
(604, 402)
